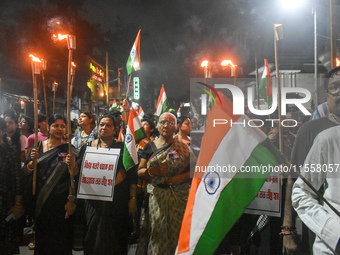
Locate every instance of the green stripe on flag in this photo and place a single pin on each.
(129, 65)
(140, 134)
(164, 107)
(127, 159)
(236, 197)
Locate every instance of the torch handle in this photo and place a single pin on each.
(35, 90)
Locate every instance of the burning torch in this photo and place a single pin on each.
(43, 68)
(71, 45)
(54, 89)
(36, 67)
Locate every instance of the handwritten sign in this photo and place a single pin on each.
(97, 174)
(268, 199)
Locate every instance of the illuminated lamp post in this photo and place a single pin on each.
(36, 68)
(294, 4)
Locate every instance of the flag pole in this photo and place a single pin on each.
(128, 88)
(278, 31)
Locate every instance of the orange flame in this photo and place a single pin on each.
(227, 62)
(205, 63)
(337, 62)
(73, 64)
(35, 59)
(60, 36)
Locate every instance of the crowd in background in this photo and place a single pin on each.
(149, 200)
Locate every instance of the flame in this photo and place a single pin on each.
(337, 62)
(60, 36)
(227, 62)
(73, 64)
(22, 102)
(35, 59)
(205, 63)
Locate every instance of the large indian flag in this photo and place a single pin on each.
(265, 87)
(219, 196)
(134, 133)
(133, 63)
(162, 102)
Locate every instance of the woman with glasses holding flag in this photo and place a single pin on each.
(165, 165)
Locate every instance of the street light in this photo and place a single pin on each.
(291, 4)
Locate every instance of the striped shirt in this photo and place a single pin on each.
(320, 111)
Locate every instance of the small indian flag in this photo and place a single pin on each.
(133, 63)
(114, 106)
(162, 102)
(265, 87)
(218, 198)
(134, 133)
(141, 112)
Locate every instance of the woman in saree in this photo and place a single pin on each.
(54, 202)
(107, 222)
(10, 195)
(165, 165)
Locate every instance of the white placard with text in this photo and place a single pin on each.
(97, 174)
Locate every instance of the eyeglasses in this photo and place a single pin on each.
(333, 90)
(170, 123)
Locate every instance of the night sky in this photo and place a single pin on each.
(178, 35)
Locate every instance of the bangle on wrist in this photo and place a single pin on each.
(285, 230)
(28, 168)
(150, 173)
(71, 198)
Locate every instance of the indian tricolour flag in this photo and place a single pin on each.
(265, 87)
(134, 133)
(222, 186)
(133, 63)
(162, 102)
(141, 112)
(114, 106)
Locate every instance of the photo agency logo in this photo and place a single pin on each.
(204, 97)
(239, 106)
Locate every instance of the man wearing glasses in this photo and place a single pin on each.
(302, 145)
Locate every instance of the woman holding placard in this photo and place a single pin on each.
(107, 222)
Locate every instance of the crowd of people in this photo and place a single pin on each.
(150, 199)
